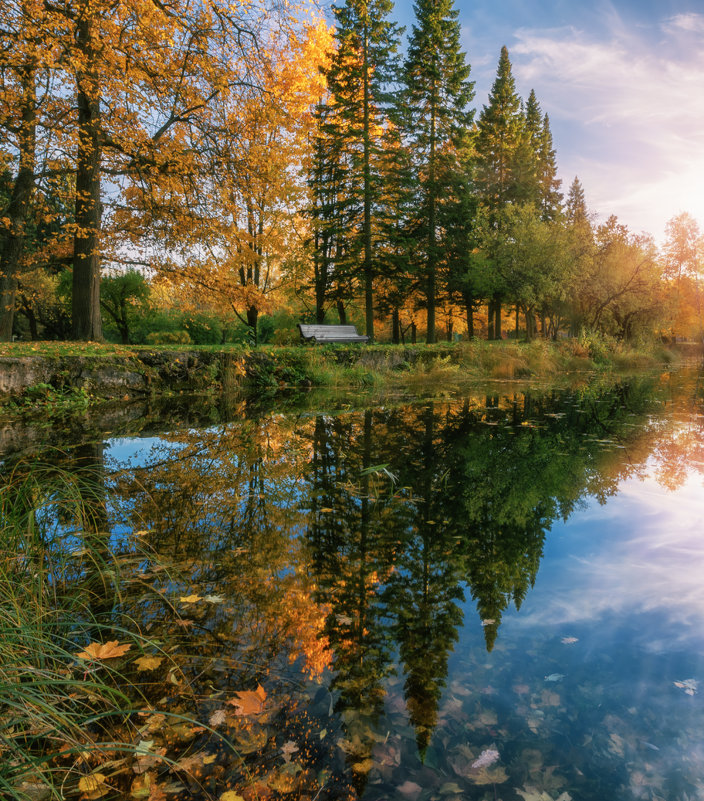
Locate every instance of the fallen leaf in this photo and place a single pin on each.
(148, 662)
(688, 685)
(214, 599)
(231, 795)
(93, 786)
(287, 749)
(190, 599)
(217, 718)
(410, 790)
(108, 650)
(555, 677)
(486, 758)
(249, 702)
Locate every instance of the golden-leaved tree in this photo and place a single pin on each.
(141, 87)
(230, 232)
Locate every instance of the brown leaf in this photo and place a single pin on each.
(108, 650)
(249, 702)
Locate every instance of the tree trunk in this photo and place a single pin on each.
(342, 312)
(12, 238)
(367, 179)
(86, 320)
(432, 199)
(470, 318)
(252, 316)
(497, 318)
(449, 330)
(414, 332)
(490, 320)
(395, 327)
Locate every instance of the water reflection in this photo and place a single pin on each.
(366, 551)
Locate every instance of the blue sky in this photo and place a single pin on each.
(623, 84)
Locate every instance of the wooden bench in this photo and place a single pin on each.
(330, 333)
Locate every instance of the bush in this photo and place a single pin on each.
(168, 338)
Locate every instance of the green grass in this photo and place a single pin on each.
(61, 717)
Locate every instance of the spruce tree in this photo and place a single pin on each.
(502, 144)
(361, 71)
(549, 183)
(437, 93)
(576, 206)
(500, 130)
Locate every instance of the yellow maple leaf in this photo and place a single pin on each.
(190, 599)
(249, 702)
(148, 662)
(93, 786)
(108, 650)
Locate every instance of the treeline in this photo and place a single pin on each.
(228, 163)
(424, 210)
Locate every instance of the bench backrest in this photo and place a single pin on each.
(328, 331)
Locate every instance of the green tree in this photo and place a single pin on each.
(501, 138)
(361, 71)
(436, 93)
(121, 295)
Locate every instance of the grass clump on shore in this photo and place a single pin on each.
(66, 698)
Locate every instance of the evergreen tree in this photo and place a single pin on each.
(550, 196)
(500, 130)
(437, 92)
(501, 139)
(576, 206)
(362, 68)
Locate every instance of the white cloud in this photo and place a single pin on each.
(627, 114)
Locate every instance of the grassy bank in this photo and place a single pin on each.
(57, 374)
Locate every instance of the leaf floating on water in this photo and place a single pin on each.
(108, 650)
(213, 599)
(93, 786)
(487, 757)
(688, 685)
(217, 718)
(344, 620)
(554, 677)
(190, 599)
(569, 640)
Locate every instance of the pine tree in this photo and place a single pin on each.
(361, 71)
(437, 92)
(576, 206)
(549, 183)
(500, 130)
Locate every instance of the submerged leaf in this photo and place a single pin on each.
(249, 702)
(487, 757)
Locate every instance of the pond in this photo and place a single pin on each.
(495, 595)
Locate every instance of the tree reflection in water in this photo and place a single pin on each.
(332, 553)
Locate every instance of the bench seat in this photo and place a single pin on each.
(330, 333)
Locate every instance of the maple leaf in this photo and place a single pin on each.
(249, 702)
(148, 662)
(108, 650)
(93, 786)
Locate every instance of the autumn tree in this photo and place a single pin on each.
(683, 254)
(436, 92)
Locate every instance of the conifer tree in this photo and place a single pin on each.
(501, 139)
(549, 183)
(437, 92)
(576, 206)
(359, 76)
(500, 129)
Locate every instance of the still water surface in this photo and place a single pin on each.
(498, 595)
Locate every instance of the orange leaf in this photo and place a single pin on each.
(108, 650)
(148, 662)
(249, 702)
